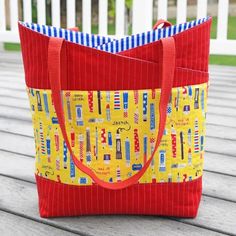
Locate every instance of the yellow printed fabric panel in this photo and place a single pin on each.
(114, 133)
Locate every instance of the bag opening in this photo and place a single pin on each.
(110, 44)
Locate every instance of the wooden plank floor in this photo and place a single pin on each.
(18, 196)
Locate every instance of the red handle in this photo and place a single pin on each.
(168, 68)
(76, 29)
(161, 21)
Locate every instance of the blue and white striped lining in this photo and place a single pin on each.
(140, 39)
(89, 40)
(109, 44)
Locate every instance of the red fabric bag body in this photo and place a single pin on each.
(56, 64)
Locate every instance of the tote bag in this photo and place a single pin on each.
(119, 124)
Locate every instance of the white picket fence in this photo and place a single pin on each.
(141, 18)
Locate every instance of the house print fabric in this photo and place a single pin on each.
(119, 119)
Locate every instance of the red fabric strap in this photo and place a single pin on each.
(76, 29)
(168, 69)
(161, 21)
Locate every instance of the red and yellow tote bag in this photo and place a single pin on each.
(119, 125)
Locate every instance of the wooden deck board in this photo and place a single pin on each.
(211, 181)
(9, 142)
(11, 224)
(14, 101)
(24, 127)
(22, 199)
(18, 197)
(14, 112)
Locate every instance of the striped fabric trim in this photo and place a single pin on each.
(113, 45)
(89, 40)
(133, 41)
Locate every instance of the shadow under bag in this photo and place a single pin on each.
(119, 124)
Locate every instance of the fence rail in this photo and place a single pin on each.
(142, 17)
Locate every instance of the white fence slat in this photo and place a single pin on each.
(56, 14)
(201, 9)
(14, 14)
(86, 15)
(70, 13)
(222, 20)
(9, 36)
(181, 11)
(223, 47)
(102, 19)
(2, 15)
(142, 16)
(41, 12)
(120, 17)
(27, 9)
(162, 9)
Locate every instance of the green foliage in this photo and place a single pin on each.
(111, 8)
(34, 11)
(223, 60)
(128, 4)
(12, 47)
